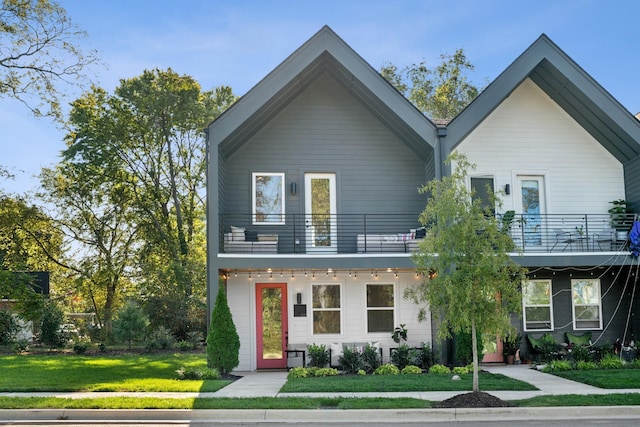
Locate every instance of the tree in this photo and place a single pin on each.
(99, 225)
(440, 92)
(38, 54)
(223, 342)
(131, 323)
(471, 281)
(147, 140)
(51, 333)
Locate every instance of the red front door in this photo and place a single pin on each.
(271, 325)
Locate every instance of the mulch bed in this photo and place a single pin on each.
(473, 400)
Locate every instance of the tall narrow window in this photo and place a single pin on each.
(326, 308)
(537, 303)
(587, 307)
(268, 198)
(482, 189)
(380, 306)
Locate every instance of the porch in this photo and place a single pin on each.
(401, 233)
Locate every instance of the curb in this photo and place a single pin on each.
(323, 415)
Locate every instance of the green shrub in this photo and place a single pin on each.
(558, 366)
(51, 333)
(439, 369)
(403, 356)
(197, 374)
(80, 347)
(9, 327)
(351, 361)
(425, 357)
(362, 372)
(298, 372)
(318, 355)
(586, 365)
(371, 358)
(548, 348)
(184, 345)
(411, 369)
(130, 323)
(635, 364)
(581, 353)
(20, 346)
(610, 361)
(387, 369)
(160, 339)
(463, 350)
(462, 370)
(223, 342)
(323, 372)
(313, 371)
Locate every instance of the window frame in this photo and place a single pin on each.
(328, 309)
(550, 305)
(574, 305)
(386, 308)
(254, 210)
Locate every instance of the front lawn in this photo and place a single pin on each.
(604, 378)
(390, 383)
(129, 372)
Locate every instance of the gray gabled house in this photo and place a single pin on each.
(313, 202)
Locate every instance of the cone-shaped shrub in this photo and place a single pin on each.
(223, 343)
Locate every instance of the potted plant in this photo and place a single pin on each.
(619, 215)
(510, 346)
(399, 333)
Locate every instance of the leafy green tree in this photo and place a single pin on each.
(38, 54)
(472, 283)
(223, 342)
(130, 324)
(99, 224)
(52, 319)
(440, 92)
(147, 141)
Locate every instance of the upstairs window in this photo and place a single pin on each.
(537, 305)
(268, 198)
(587, 307)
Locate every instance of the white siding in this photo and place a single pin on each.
(241, 298)
(530, 134)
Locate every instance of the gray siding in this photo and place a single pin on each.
(326, 130)
(632, 184)
(616, 303)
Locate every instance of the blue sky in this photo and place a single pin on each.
(237, 42)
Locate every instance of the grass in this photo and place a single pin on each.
(217, 403)
(616, 399)
(605, 378)
(402, 383)
(148, 372)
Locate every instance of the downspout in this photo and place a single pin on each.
(439, 151)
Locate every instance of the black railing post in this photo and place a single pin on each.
(365, 233)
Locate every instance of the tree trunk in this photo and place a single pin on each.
(474, 351)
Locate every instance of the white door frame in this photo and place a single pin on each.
(311, 235)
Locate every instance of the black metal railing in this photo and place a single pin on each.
(400, 233)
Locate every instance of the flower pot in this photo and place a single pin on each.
(510, 359)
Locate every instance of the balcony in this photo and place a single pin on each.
(301, 234)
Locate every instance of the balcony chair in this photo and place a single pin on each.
(563, 237)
